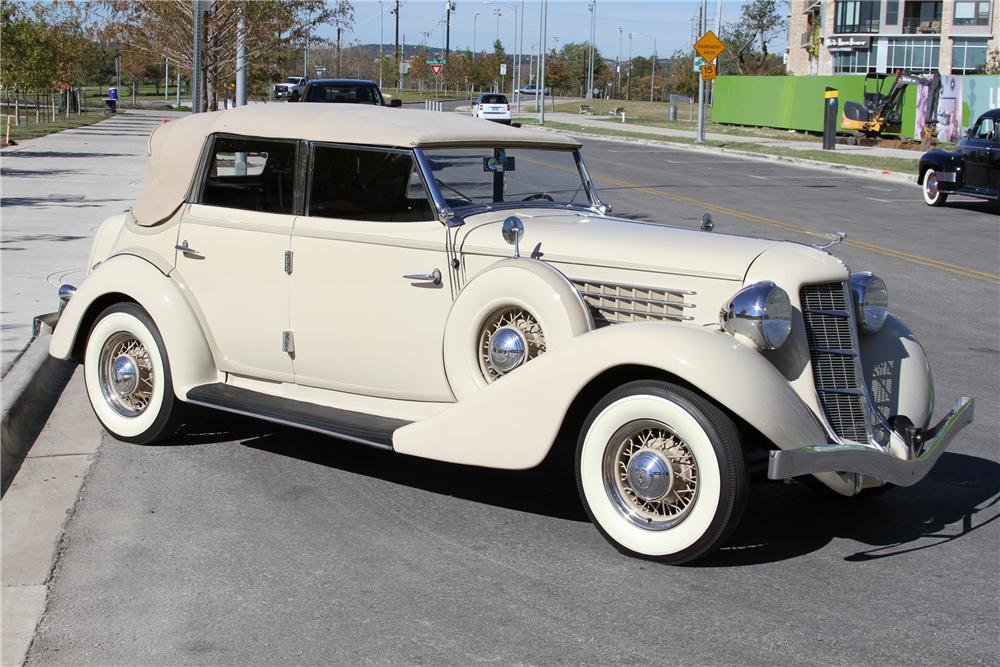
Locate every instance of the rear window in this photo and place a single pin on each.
(493, 99)
(343, 94)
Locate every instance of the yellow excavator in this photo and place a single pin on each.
(882, 111)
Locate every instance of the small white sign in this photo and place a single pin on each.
(699, 62)
(503, 69)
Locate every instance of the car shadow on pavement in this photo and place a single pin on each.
(975, 205)
(959, 496)
(782, 521)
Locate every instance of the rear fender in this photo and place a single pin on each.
(131, 278)
(513, 422)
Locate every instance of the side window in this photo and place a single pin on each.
(984, 130)
(251, 174)
(360, 184)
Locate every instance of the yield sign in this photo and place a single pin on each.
(436, 69)
(709, 46)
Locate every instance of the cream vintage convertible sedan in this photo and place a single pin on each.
(456, 290)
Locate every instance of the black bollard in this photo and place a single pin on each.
(830, 108)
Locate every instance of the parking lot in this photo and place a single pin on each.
(242, 542)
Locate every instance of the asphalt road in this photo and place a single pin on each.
(245, 543)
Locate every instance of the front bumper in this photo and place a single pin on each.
(872, 462)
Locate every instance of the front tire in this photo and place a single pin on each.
(127, 375)
(932, 190)
(661, 472)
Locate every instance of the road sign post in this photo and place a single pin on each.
(708, 47)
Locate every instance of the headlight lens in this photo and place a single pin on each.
(762, 312)
(871, 301)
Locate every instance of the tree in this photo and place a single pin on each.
(680, 76)
(760, 22)
(166, 29)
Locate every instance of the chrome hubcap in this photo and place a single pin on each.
(932, 186)
(650, 474)
(509, 338)
(126, 374)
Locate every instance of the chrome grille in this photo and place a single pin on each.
(613, 303)
(836, 364)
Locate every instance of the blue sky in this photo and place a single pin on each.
(669, 21)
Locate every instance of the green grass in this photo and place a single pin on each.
(34, 130)
(903, 165)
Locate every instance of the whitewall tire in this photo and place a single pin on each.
(932, 191)
(661, 472)
(127, 375)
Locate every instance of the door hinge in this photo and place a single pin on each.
(288, 262)
(288, 342)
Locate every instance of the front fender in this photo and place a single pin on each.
(191, 360)
(513, 422)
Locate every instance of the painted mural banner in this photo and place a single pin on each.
(963, 100)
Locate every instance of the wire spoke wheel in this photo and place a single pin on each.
(650, 474)
(126, 374)
(508, 338)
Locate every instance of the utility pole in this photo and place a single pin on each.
(702, 21)
(381, 41)
(399, 61)
(241, 61)
(449, 8)
(618, 63)
(540, 90)
(652, 78)
(592, 8)
(628, 93)
(196, 68)
(518, 68)
(475, 19)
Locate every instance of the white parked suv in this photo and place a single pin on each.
(492, 106)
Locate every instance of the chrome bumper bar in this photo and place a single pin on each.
(46, 324)
(872, 462)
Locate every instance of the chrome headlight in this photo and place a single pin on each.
(762, 313)
(871, 301)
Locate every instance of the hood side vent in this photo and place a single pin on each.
(615, 303)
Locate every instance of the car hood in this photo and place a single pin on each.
(586, 239)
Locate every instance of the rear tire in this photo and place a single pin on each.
(932, 191)
(661, 472)
(127, 375)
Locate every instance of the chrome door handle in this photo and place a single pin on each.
(186, 249)
(433, 277)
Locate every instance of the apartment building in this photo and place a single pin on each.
(860, 36)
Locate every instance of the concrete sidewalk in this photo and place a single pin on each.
(56, 191)
(655, 132)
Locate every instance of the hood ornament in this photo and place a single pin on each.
(835, 238)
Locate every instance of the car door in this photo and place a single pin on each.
(993, 176)
(976, 149)
(231, 248)
(370, 286)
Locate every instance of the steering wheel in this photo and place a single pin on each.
(539, 195)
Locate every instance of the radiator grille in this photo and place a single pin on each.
(829, 322)
(613, 303)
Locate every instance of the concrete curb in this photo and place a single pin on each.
(863, 172)
(28, 393)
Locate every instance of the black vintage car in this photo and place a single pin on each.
(342, 91)
(973, 168)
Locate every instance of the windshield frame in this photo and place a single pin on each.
(454, 216)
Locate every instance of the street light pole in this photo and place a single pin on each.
(540, 90)
(498, 12)
(475, 20)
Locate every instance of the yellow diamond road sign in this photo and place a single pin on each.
(709, 46)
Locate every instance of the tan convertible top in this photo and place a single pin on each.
(174, 148)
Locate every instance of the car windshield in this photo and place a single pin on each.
(344, 94)
(488, 175)
(493, 99)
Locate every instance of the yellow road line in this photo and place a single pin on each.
(957, 269)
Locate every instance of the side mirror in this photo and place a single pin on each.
(395, 102)
(512, 231)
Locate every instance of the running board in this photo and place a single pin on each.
(354, 426)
